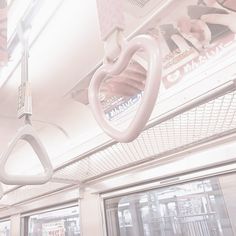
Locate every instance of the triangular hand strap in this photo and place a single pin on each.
(28, 134)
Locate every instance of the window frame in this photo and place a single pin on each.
(193, 175)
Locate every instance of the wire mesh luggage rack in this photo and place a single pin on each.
(207, 118)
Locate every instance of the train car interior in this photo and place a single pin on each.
(117, 118)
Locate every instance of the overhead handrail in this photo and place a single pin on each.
(118, 54)
(27, 132)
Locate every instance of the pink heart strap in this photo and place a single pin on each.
(150, 47)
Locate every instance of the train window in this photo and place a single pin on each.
(5, 228)
(199, 208)
(63, 222)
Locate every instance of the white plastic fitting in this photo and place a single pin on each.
(150, 47)
(28, 134)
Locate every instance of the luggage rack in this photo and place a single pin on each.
(209, 117)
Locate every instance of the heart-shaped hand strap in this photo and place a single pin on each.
(150, 47)
(28, 134)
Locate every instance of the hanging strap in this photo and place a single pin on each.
(29, 135)
(121, 53)
(27, 132)
(150, 47)
(111, 20)
(24, 90)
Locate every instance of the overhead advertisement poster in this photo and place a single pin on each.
(194, 37)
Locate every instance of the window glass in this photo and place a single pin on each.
(63, 222)
(5, 228)
(200, 208)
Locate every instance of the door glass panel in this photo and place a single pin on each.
(5, 228)
(64, 222)
(200, 208)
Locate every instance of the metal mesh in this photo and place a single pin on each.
(202, 123)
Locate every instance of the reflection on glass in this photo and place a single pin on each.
(5, 228)
(199, 208)
(64, 222)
